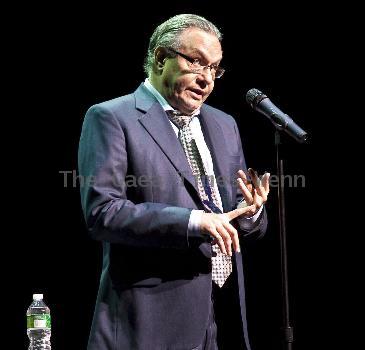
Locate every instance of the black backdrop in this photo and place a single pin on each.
(67, 61)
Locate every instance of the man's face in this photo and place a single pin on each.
(184, 90)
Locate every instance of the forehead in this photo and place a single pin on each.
(196, 40)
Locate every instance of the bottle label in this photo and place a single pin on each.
(39, 321)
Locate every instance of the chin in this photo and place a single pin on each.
(190, 109)
(188, 105)
(193, 106)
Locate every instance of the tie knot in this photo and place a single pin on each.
(179, 119)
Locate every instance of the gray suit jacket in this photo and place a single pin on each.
(137, 197)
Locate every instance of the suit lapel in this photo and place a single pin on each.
(214, 138)
(157, 124)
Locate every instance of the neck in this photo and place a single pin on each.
(155, 82)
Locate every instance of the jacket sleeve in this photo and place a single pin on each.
(109, 215)
(259, 227)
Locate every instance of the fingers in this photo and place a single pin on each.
(243, 176)
(226, 239)
(212, 224)
(222, 232)
(258, 199)
(234, 236)
(222, 238)
(245, 191)
(240, 211)
(265, 182)
(261, 187)
(254, 177)
(219, 240)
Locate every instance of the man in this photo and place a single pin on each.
(163, 203)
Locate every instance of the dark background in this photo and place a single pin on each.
(67, 60)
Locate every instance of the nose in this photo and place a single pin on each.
(207, 75)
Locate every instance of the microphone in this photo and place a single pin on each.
(260, 103)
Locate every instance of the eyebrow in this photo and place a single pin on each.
(203, 56)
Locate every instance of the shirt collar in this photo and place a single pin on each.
(165, 105)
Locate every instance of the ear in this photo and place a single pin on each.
(161, 55)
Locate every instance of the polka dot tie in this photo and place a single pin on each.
(221, 263)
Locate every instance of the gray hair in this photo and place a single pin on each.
(168, 33)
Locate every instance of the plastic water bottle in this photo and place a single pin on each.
(39, 324)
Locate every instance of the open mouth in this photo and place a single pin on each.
(196, 93)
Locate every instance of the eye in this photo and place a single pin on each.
(196, 62)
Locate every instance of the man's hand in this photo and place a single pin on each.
(218, 226)
(255, 192)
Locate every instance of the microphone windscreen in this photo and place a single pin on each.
(254, 97)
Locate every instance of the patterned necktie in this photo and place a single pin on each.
(221, 263)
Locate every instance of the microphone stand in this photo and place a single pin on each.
(286, 328)
(259, 102)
